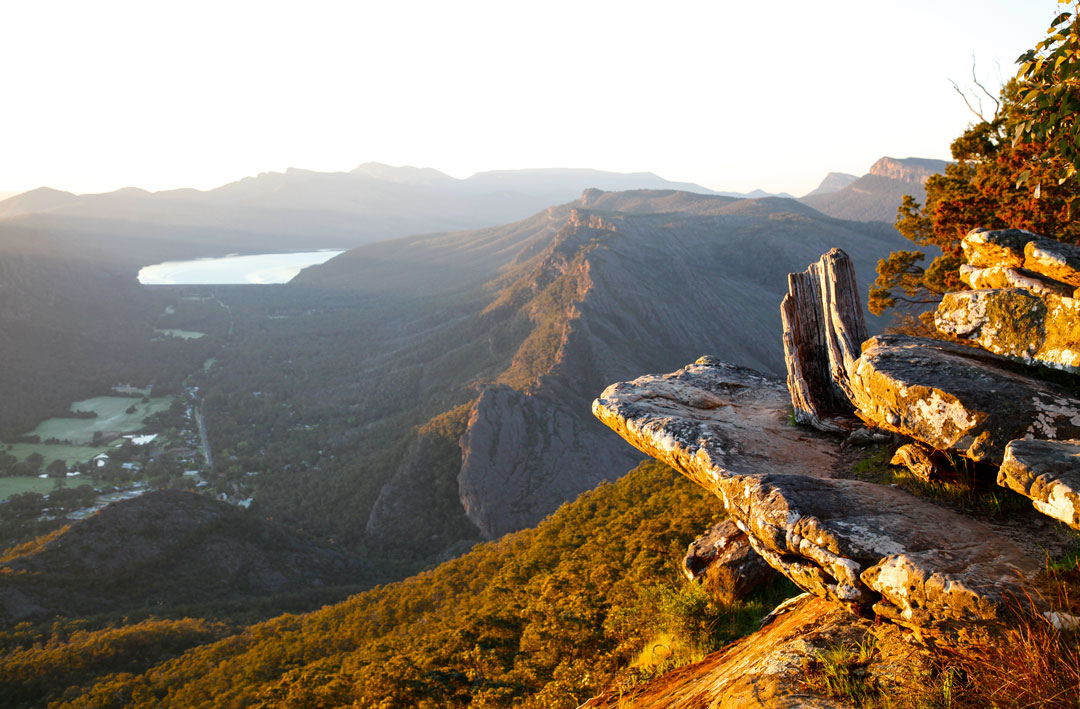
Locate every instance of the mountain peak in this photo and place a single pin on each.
(917, 170)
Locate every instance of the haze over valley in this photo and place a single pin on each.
(334, 343)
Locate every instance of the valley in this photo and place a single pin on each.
(384, 411)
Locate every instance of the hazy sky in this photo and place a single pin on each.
(101, 95)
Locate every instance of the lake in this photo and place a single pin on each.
(256, 269)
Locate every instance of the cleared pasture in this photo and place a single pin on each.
(112, 418)
(51, 452)
(19, 485)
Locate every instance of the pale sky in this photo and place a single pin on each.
(735, 96)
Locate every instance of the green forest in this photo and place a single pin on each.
(545, 617)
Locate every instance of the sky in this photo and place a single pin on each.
(732, 95)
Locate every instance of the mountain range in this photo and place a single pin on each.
(442, 377)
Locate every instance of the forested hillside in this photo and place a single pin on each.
(545, 617)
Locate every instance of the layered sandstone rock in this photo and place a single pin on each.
(996, 247)
(958, 398)
(1005, 277)
(872, 547)
(1054, 259)
(1039, 329)
(1047, 472)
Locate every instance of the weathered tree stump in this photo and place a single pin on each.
(824, 329)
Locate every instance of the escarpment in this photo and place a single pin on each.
(994, 412)
(620, 289)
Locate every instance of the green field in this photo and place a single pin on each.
(66, 453)
(111, 418)
(15, 486)
(182, 334)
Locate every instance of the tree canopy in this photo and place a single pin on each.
(1014, 169)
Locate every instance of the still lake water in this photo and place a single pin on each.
(232, 270)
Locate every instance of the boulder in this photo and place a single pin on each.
(958, 398)
(875, 548)
(1047, 472)
(996, 247)
(1055, 259)
(725, 551)
(823, 327)
(1005, 277)
(1016, 323)
(922, 461)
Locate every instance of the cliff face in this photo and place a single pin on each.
(914, 170)
(876, 195)
(877, 550)
(614, 294)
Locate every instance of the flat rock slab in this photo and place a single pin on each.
(1004, 277)
(1055, 259)
(1047, 472)
(1036, 329)
(958, 398)
(985, 248)
(870, 546)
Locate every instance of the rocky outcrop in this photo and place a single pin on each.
(1017, 248)
(823, 328)
(1047, 472)
(1006, 277)
(876, 549)
(914, 170)
(1041, 329)
(768, 670)
(1054, 259)
(985, 248)
(922, 461)
(725, 552)
(958, 398)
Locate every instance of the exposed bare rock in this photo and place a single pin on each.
(958, 398)
(984, 248)
(1047, 472)
(1016, 323)
(920, 460)
(863, 544)
(1054, 259)
(768, 669)
(1005, 277)
(725, 549)
(914, 170)
(503, 490)
(823, 328)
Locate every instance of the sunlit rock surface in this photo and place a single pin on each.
(725, 550)
(1016, 323)
(1005, 277)
(877, 549)
(958, 398)
(1047, 472)
(1055, 259)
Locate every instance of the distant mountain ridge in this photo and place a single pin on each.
(304, 209)
(876, 195)
(916, 170)
(575, 299)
